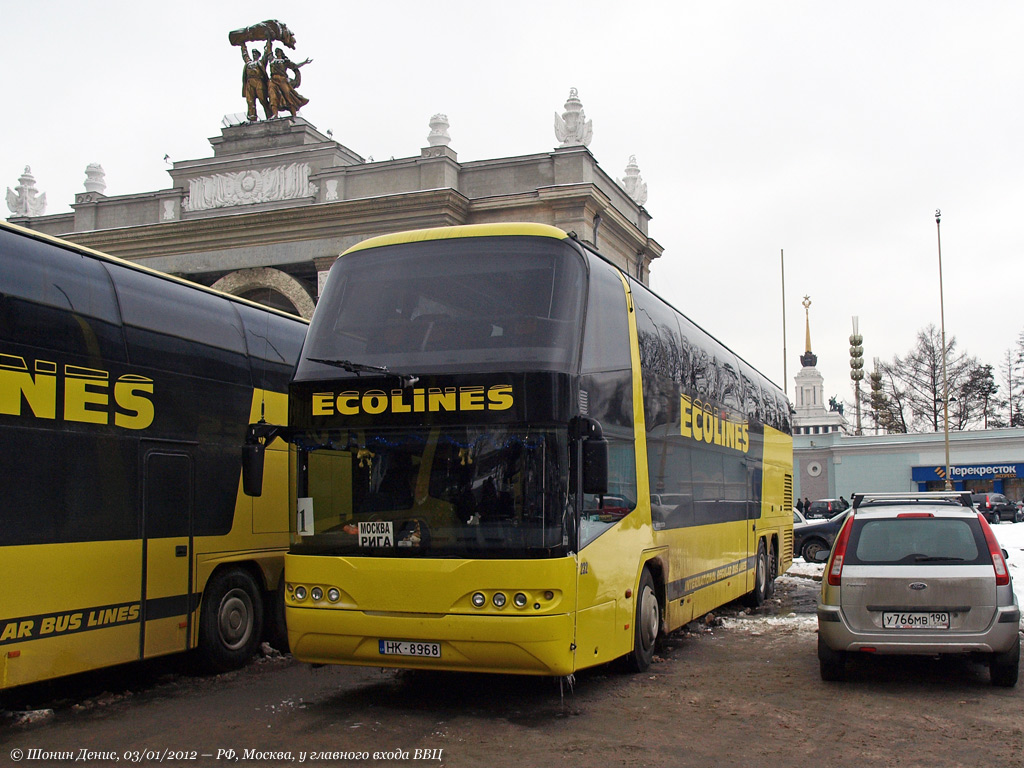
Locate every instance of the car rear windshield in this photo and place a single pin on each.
(917, 540)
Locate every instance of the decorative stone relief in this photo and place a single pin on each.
(25, 200)
(438, 136)
(634, 183)
(332, 189)
(224, 190)
(572, 128)
(95, 178)
(169, 214)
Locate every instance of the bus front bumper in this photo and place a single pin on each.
(531, 645)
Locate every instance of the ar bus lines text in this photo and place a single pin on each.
(34, 627)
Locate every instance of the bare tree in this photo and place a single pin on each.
(1012, 373)
(914, 384)
(889, 404)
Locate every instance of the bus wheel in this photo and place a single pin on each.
(773, 572)
(231, 621)
(756, 597)
(276, 629)
(645, 625)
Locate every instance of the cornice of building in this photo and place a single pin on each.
(240, 229)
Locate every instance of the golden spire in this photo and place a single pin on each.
(808, 358)
(807, 311)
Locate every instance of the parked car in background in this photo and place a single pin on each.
(813, 536)
(918, 574)
(825, 508)
(994, 506)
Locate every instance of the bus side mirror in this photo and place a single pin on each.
(252, 468)
(260, 435)
(595, 460)
(595, 466)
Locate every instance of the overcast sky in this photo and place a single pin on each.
(828, 131)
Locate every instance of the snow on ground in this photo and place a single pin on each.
(1011, 538)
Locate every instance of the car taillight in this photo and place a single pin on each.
(998, 563)
(835, 569)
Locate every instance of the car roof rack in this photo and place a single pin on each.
(913, 497)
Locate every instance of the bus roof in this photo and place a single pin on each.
(86, 251)
(528, 229)
(467, 230)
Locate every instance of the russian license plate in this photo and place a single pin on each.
(408, 648)
(916, 620)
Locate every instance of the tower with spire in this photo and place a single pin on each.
(814, 415)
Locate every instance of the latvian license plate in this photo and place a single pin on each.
(921, 620)
(408, 648)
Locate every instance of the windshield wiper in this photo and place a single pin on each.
(358, 368)
(351, 367)
(935, 559)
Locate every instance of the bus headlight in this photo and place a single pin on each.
(499, 599)
(519, 600)
(479, 599)
(300, 593)
(317, 594)
(333, 594)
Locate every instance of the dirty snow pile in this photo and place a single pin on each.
(1011, 537)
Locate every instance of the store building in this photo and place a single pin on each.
(837, 464)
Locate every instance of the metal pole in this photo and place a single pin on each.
(856, 366)
(785, 379)
(945, 381)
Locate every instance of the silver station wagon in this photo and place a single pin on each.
(918, 573)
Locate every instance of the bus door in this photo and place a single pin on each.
(167, 517)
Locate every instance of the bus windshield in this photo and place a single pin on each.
(434, 492)
(449, 305)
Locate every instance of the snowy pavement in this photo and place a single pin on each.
(1011, 537)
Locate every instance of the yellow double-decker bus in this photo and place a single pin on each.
(125, 396)
(509, 456)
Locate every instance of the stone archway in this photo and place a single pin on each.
(244, 280)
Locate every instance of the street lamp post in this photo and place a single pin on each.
(857, 366)
(945, 381)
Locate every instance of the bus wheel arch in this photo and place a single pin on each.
(230, 618)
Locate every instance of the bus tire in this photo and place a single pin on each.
(231, 620)
(646, 625)
(773, 571)
(277, 630)
(755, 598)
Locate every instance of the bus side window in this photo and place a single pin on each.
(56, 300)
(606, 338)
